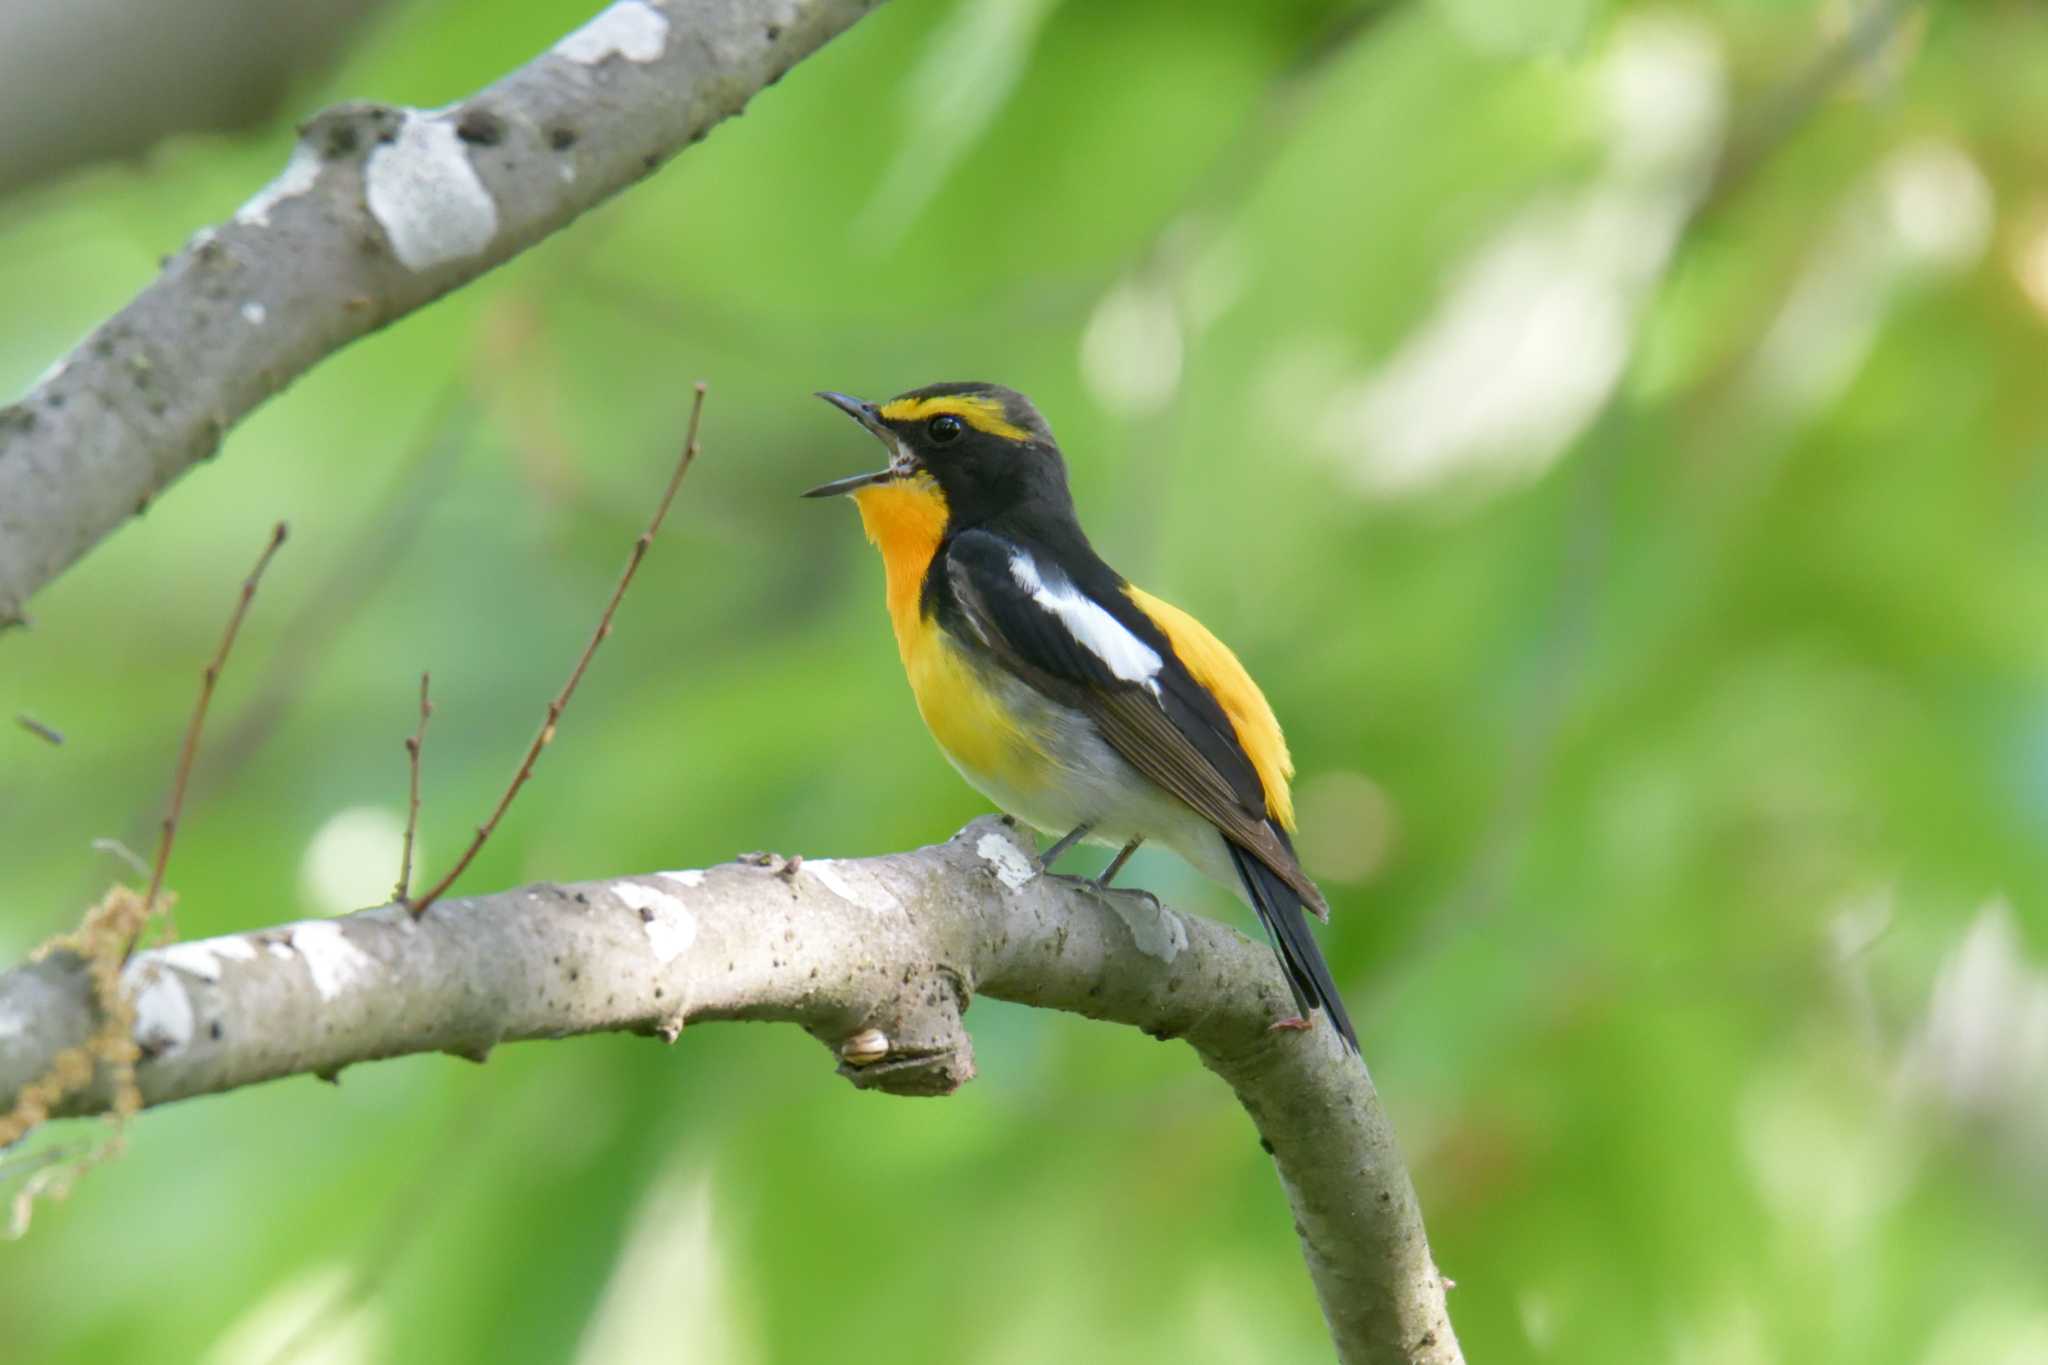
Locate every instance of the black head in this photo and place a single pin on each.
(984, 445)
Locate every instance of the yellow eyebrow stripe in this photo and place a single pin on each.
(983, 414)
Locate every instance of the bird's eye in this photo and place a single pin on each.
(943, 428)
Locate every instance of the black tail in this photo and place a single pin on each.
(1280, 910)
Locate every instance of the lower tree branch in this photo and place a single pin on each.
(875, 957)
(380, 211)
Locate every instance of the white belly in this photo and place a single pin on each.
(1090, 783)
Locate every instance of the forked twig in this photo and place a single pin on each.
(546, 735)
(413, 744)
(191, 745)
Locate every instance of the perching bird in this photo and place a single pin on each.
(1077, 702)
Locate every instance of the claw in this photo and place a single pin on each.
(1293, 1023)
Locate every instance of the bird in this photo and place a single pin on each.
(1071, 698)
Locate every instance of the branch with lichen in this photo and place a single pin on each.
(379, 211)
(876, 958)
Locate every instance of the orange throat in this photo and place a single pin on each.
(906, 519)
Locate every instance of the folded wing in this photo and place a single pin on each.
(1089, 646)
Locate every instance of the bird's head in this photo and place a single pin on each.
(978, 449)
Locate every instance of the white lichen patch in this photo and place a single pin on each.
(331, 960)
(255, 314)
(202, 957)
(1012, 867)
(12, 1026)
(667, 922)
(426, 195)
(687, 878)
(631, 29)
(295, 179)
(1157, 931)
(853, 884)
(163, 1011)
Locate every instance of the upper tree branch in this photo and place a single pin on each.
(876, 958)
(380, 211)
(92, 80)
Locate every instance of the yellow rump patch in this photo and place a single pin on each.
(1218, 670)
(983, 414)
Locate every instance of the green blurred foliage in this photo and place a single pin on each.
(1667, 746)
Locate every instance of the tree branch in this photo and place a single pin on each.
(92, 80)
(875, 957)
(380, 211)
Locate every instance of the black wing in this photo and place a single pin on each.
(1166, 725)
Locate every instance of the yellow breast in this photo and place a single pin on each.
(906, 519)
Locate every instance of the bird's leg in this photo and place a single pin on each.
(1116, 864)
(1065, 842)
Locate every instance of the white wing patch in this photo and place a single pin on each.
(1089, 622)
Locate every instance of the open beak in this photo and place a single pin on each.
(867, 415)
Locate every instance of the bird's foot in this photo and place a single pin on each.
(1097, 884)
(1158, 906)
(1293, 1023)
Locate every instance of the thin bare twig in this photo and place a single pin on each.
(38, 729)
(546, 735)
(190, 748)
(321, 616)
(413, 744)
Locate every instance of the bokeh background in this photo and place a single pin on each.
(1615, 435)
